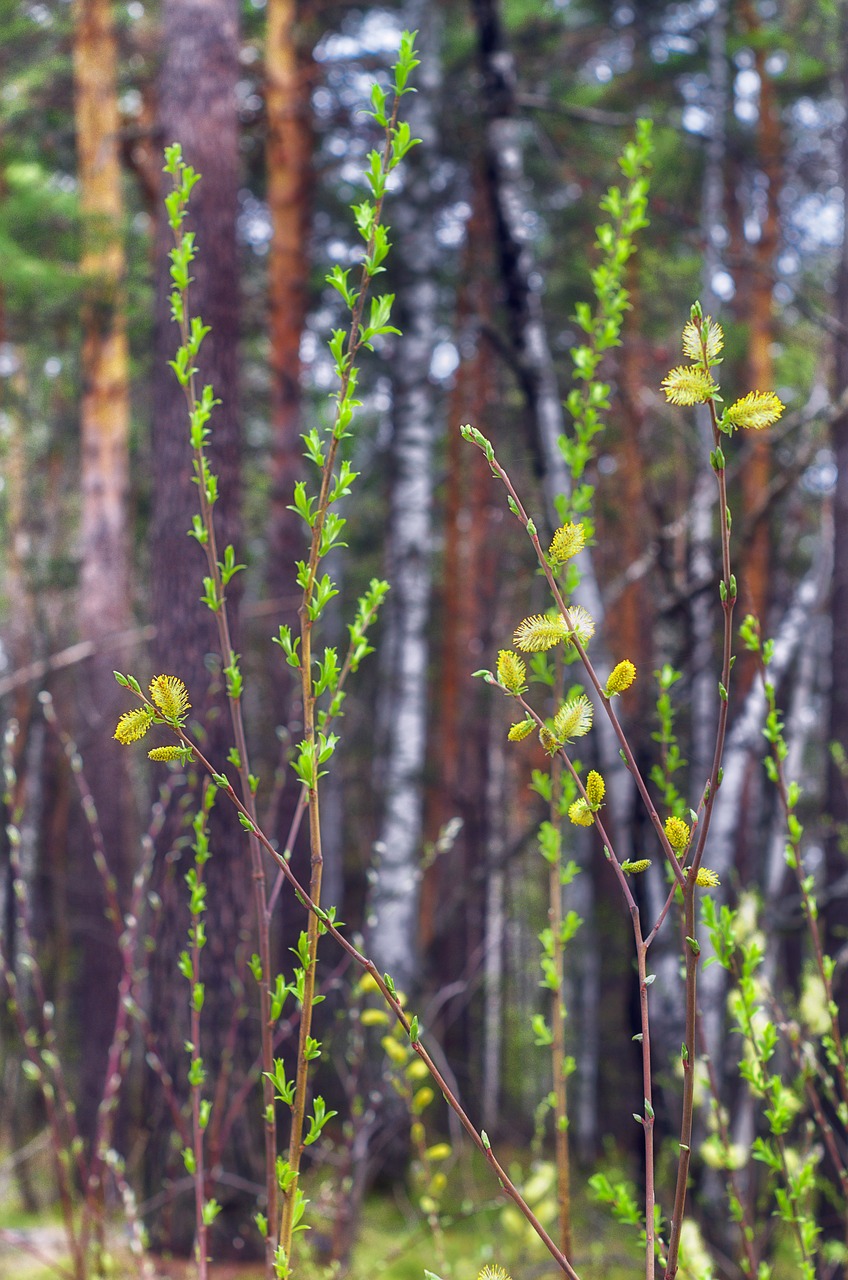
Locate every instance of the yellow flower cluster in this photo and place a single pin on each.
(595, 788)
(711, 334)
(756, 410)
(694, 384)
(520, 730)
(687, 384)
(492, 1271)
(567, 542)
(707, 879)
(512, 673)
(620, 678)
(582, 624)
(540, 632)
(165, 753)
(574, 718)
(544, 630)
(171, 697)
(134, 725)
(677, 833)
(637, 867)
(580, 814)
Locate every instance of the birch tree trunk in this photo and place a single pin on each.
(394, 894)
(104, 602)
(503, 146)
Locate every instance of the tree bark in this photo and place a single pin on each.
(394, 895)
(760, 321)
(197, 108)
(836, 907)
(288, 78)
(104, 608)
(503, 146)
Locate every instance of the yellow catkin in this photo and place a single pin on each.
(567, 542)
(677, 833)
(595, 788)
(540, 632)
(165, 753)
(687, 384)
(756, 410)
(133, 725)
(580, 814)
(620, 678)
(521, 730)
(170, 696)
(574, 718)
(512, 672)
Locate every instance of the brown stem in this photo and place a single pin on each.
(689, 1050)
(558, 1058)
(354, 341)
(606, 702)
(228, 657)
(326, 925)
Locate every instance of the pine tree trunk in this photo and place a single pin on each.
(289, 151)
(104, 602)
(197, 106)
(760, 323)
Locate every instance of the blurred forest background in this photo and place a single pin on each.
(429, 824)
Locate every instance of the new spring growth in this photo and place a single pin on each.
(512, 672)
(582, 812)
(169, 705)
(567, 542)
(620, 678)
(677, 833)
(543, 631)
(703, 339)
(574, 718)
(133, 725)
(521, 730)
(636, 868)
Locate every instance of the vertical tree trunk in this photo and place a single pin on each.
(836, 902)
(289, 148)
(537, 377)
(104, 603)
(394, 895)
(197, 107)
(760, 316)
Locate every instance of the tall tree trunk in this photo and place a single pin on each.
(289, 71)
(537, 377)
(104, 603)
(197, 107)
(760, 318)
(289, 148)
(394, 895)
(836, 902)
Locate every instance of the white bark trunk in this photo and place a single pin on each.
(393, 897)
